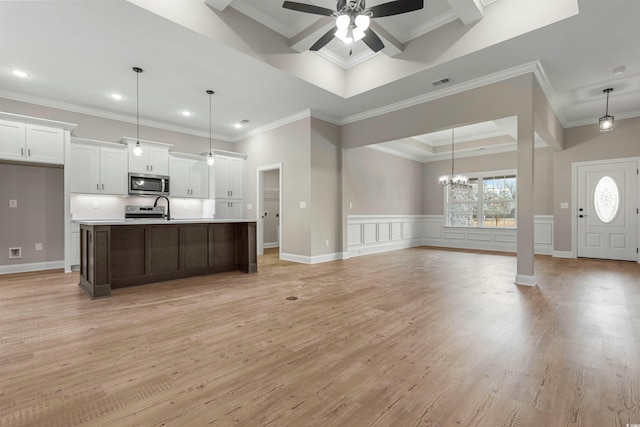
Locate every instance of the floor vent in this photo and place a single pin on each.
(15, 253)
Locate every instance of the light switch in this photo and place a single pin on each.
(303, 204)
(350, 205)
(38, 246)
(249, 206)
(13, 203)
(564, 205)
(96, 204)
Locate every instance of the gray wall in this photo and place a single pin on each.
(326, 221)
(581, 144)
(382, 184)
(291, 146)
(39, 216)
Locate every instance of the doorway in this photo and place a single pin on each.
(269, 207)
(606, 220)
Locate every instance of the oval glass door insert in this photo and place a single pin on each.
(606, 199)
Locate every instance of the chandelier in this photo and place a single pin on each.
(455, 181)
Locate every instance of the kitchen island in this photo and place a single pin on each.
(116, 254)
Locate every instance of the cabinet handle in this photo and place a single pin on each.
(151, 168)
(97, 186)
(147, 168)
(103, 186)
(29, 151)
(22, 151)
(231, 193)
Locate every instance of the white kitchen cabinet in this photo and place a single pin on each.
(229, 177)
(153, 160)
(98, 167)
(31, 142)
(189, 176)
(229, 209)
(75, 244)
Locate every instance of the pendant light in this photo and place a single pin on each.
(453, 180)
(210, 159)
(137, 150)
(606, 121)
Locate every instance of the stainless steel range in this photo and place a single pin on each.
(138, 212)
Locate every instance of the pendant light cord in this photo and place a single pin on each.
(209, 122)
(137, 105)
(452, 137)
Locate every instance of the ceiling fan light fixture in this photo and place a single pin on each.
(342, 22)
(362, 22)
(358, 34)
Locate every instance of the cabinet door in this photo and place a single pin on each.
(179, 176)
(12, 140)
(139, 163)
(113, 171)
(44, 144)
(85, 169)
(236, 210)
(158, 161)
(199, 178)
(222, 209)
(221, 170)
(236, 178)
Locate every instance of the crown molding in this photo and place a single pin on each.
(433, 24)
(107, 115)
(274, 125)
(347, 63)
(594, 121)
(548, 91)
(443, 93)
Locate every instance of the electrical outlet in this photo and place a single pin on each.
(326, 243)
(249, 206)
(303, 205)
(38, 246)
(13, 203)
(96, 204)
(350, 205)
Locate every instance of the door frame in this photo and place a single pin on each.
(260, 208)
(574, 198)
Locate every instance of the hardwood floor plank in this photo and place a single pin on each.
(417, 337)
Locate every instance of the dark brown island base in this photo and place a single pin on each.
(130, 253)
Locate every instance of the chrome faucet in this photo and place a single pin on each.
(168, 215)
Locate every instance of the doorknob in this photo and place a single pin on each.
(581, 216)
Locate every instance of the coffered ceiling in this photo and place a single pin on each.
(253, 54)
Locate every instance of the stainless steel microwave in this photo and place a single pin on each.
(148, 185)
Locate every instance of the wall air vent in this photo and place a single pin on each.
(441, 81)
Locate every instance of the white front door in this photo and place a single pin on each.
(607, 210)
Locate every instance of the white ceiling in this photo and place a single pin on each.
(78, 52)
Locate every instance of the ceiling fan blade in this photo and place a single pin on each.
(322, 41)
(307, 8)
(395, 8)
(372, 40)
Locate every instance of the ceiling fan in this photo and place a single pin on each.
(353, 18)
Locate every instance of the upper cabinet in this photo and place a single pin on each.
(154, 157)
(189, 176)
(229, 177)
(26, 139)
(98, 167)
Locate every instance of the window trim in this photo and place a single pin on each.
(480, 202)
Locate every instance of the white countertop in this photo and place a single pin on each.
(161, 221)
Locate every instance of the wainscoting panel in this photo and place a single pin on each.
(373, 233)
(380, 233)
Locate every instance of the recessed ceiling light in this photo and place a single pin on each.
(619, 70)
(186, 113)
(116, 96)
(20, 73)
(241, 123)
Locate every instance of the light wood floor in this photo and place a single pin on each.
(418, 337)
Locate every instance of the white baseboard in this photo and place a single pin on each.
(270, 245)
(525, 280)
(303, 259)
(383, 247)
(563, 254)
(35, 266)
